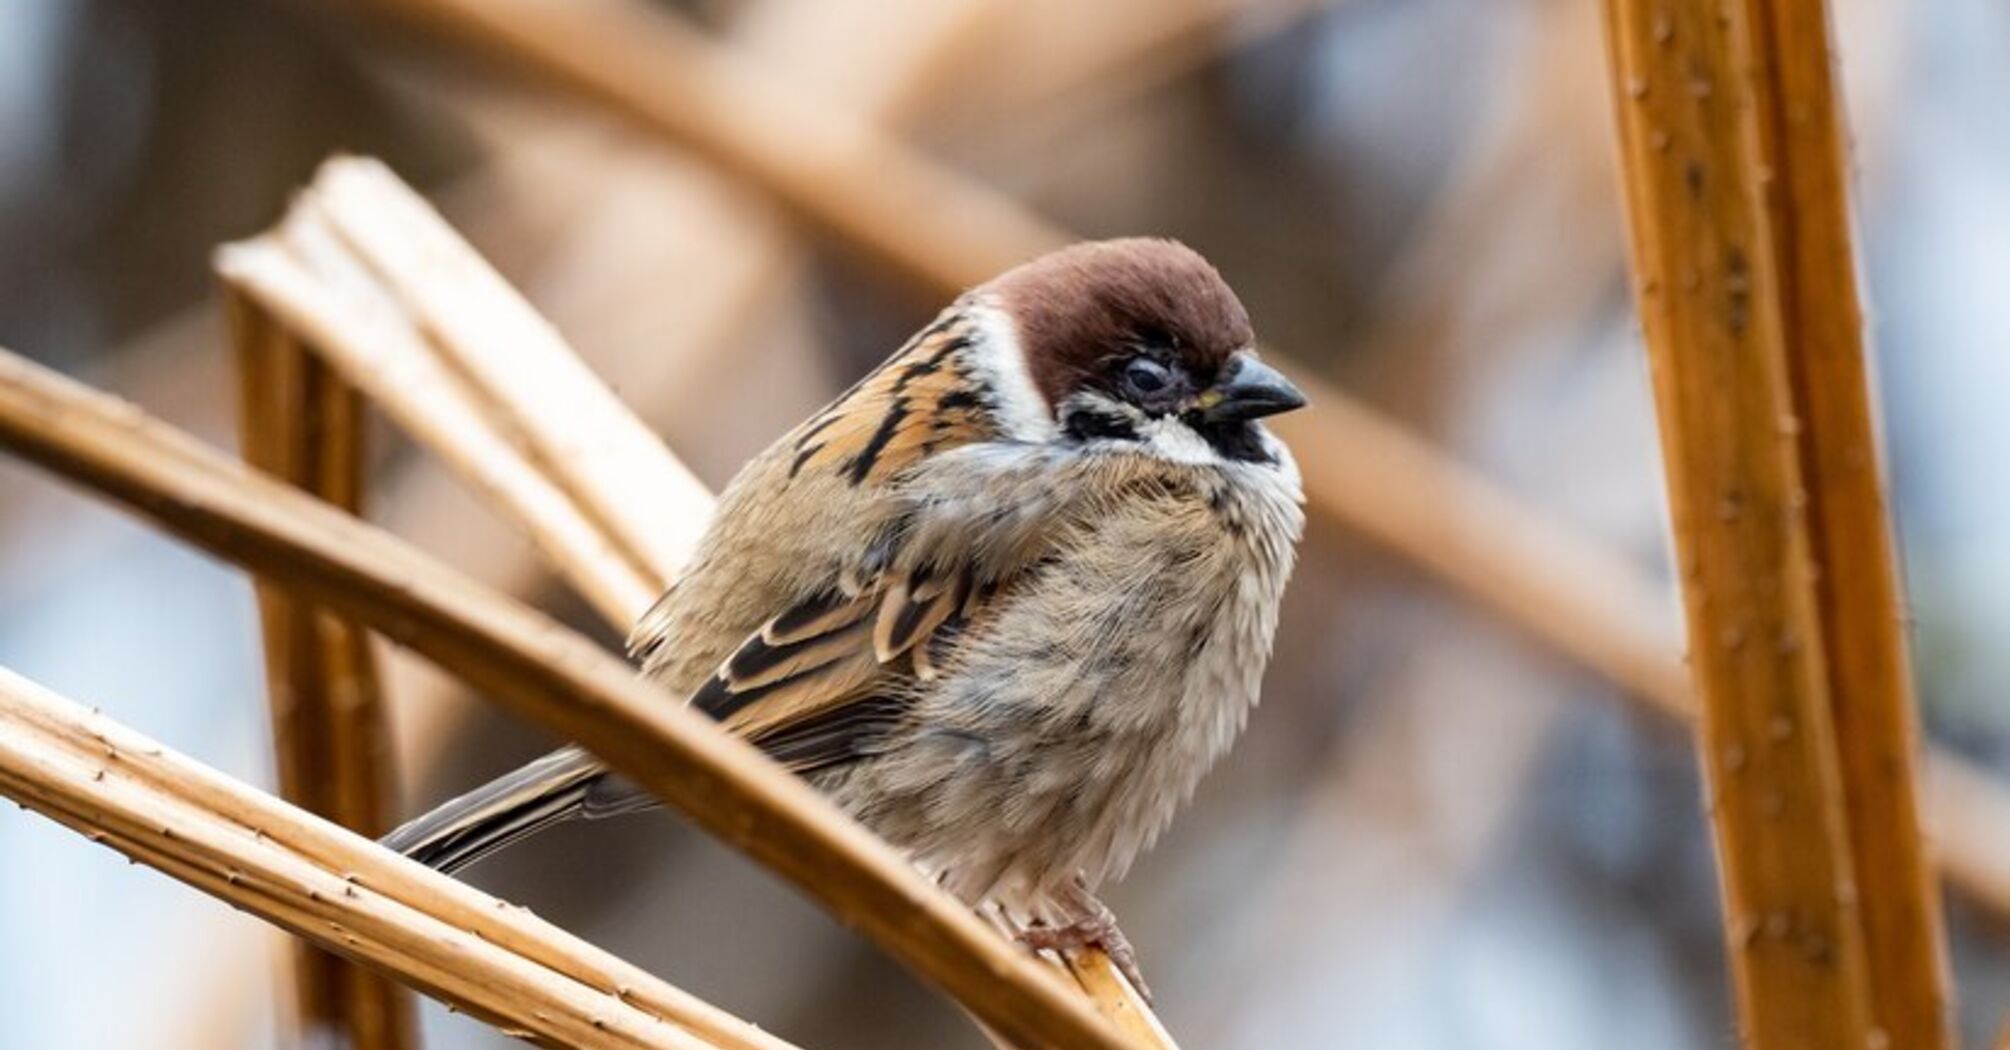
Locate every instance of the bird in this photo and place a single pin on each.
(1004, 601)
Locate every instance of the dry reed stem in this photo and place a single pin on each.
(550, 675)
(330, 736)
(951, 233)
(338, 889)
(310, 284)
(1733, 164)
(614, 467)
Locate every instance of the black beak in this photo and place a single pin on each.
(1251, 390)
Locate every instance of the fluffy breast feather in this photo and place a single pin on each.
(1070, 724)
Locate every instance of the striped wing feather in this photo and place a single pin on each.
(817, 685)
(811, 687)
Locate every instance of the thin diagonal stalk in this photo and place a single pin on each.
(550, 675)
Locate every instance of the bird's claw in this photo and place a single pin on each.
(1097, 929)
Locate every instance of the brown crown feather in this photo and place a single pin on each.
(1077, 308)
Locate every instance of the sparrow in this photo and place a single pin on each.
(1004, 601)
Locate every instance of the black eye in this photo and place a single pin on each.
(1145, 377)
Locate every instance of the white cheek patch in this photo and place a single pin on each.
(1170, 438)
(1024, 414)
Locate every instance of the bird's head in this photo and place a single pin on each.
(1141, 340)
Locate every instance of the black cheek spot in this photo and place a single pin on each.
(1227, 515)
(1087, 424)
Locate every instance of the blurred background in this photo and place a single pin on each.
(1436, 834)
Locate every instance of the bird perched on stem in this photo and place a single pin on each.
(1005, 600)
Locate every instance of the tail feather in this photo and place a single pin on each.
(565, 784)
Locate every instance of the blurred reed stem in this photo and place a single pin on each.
(330, 736)
(1733, 161)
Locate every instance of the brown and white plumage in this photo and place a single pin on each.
(1005, 600)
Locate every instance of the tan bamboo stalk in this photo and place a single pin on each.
(1732, 156)
(330, 736)
(338, 889)
(550, 675)
(970, 232)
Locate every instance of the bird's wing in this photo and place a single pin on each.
(824, 681)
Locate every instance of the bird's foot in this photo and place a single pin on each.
(1094, 926)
